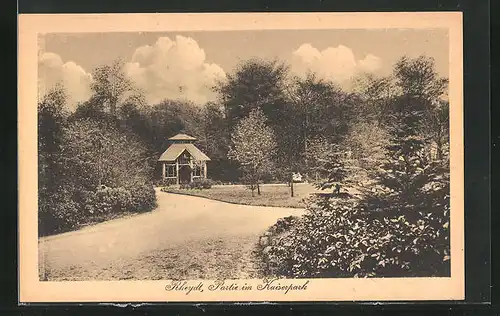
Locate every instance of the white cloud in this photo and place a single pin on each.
(52, 70)
(370, 63)
(335, 63)
(174, 69)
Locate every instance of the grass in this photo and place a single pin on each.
(277, 195)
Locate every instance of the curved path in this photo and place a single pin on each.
(186, 237)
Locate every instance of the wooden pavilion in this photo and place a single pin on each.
(183, 161)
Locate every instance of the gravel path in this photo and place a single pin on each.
(186, 237)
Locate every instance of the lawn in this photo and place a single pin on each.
(277, 195)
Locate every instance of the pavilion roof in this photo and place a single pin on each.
(175, 150)
(182, 137)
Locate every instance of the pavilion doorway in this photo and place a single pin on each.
(184, 174)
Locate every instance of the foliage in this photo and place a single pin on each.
(322, 109)
(105, 201)
(166, 182)
(400, 225)
(436, 123)
(198, 184)
(53, 197)
(283, 224)
(103, 156)
(51, 121)
(337, 238)
(417, 78)
(408, 166)
(143, 197)
(215, 141)
(375, 97)
(59, 211)
(112, 88)
(255, 84)
(317, 109)
(253, 145)
(328, 163)
(390, 132)
(171, 117)
(102, 172)
(366, 143)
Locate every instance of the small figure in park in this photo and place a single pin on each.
(337, 188)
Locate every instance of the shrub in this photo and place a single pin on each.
(164, 189)
(143, 198)
(105, 201)
(198, 184)
(71, 207)
(92, 154)
(58, 212)
(338, 238)
(283, 224)
(165, 182)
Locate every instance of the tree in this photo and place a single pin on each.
(170, 117)
(289, 146)
(400, 227)
(51, 121)
(255, 84)
(417, 78)
(97, 155)
(215, 141)
(437, 120)
(253, 147)
(409, 166)
(330, 163)
(367, 142)
(319, 106)
(111, 87)
(376, 96)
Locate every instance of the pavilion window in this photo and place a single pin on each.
(197, 171)
(170, 171)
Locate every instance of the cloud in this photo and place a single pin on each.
(174, 69)
(370, 63)
(52, 70)
(335, 63)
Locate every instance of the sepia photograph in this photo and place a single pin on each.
(278, 155)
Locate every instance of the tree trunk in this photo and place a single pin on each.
(439, 148)
(258, 188)
(291, 187)
(112, 105)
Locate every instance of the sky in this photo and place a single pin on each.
(187, 64)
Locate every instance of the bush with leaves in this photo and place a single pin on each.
(103, 172)
(338, 238)
(105, 201)
(198, 184)
(283, 224)
(165, 182)
(59, 211)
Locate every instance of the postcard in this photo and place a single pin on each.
(241, 157)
